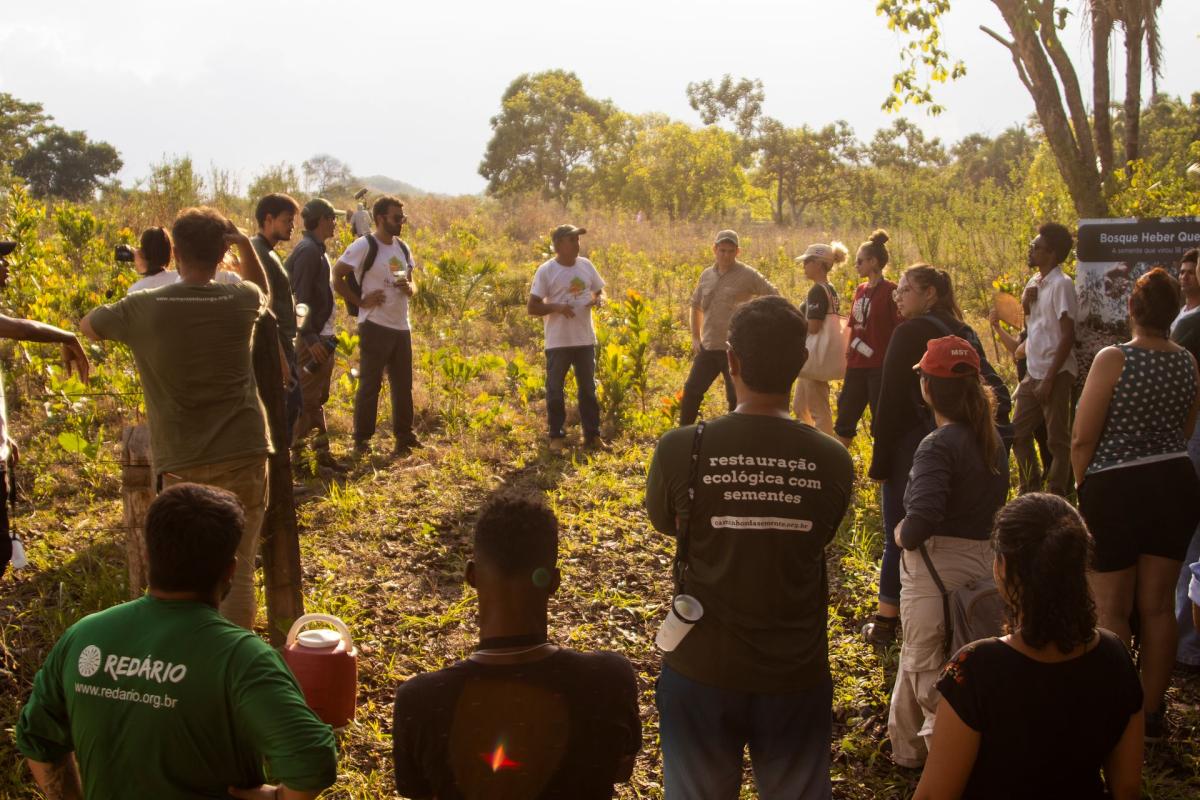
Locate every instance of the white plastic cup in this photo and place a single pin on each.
(685, 612)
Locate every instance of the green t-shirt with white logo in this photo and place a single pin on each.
(171, 700)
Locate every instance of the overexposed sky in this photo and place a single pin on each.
(406, 89)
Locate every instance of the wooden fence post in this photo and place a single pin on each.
(137, 492)
(280, 541)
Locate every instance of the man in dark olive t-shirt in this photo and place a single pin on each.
(522, 717)
(162, 697)
(769, 494)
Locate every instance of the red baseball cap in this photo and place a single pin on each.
(949, 357)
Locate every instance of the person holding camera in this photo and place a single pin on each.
(74, 360)
(191, 342)
(308, 268)
(873, 317)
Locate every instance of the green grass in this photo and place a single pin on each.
(385, 549)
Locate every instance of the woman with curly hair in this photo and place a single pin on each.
(1137, 486)
(1046, 710)
(811, 403)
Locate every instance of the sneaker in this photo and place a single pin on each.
(881, 631)
(596, 443)
(1156, 726)
(557, 444)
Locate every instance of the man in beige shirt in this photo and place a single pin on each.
(722, 288)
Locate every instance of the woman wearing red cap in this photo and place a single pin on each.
(959, 480)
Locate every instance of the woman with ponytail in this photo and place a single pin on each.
(959, 480)
(873, 317)
(1046, 710)
(925, 298)
(150, 260)
(1137, 488)
(811, 403)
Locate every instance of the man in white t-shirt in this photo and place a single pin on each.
(564, 292)
(384, 285)
(1051, 308)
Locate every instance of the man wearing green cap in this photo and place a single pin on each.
(564, 291)
(276, 217)
(722, 287)
(309, 270)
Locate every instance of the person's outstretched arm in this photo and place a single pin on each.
(58, 780)
(26, 330)
(249, 267)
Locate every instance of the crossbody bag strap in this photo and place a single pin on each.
(937, 579)
(684, 533)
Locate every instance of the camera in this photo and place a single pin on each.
(123, 253)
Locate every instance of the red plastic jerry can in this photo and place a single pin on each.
(325, 664)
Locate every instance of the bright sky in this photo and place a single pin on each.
(406, 89)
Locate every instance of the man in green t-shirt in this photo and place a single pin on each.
(161, 697)
(191, 342)
(754, 497)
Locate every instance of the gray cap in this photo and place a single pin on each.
(565, 230)
(728, 236)
(318, 207)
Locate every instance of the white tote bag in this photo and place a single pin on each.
(827, 348)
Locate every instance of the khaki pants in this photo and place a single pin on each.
(915, 697)
(811, 404)
(246, 478)
(314, 394)
(1028, 415)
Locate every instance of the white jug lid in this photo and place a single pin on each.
(321, 638)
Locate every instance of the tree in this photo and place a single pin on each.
(1077, 140)
(545, 137)
(685, 172)
(174, 185)
(66, 164)
(1002, 160)
(903, 146)
(802, 165)
(323, 173)
(739, 102)
(20, 124)
(277, 178)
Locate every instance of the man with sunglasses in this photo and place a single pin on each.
(384, 285)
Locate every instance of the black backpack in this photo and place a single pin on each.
(368, 262)
(986, 371)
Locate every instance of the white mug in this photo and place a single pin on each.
(685, 612)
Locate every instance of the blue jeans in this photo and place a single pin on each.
(706, 366)
(704, 731)
(583, 360)
(892, 496)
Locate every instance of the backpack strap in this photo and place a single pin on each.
(679, 569)
(937, 579)
(372, 252)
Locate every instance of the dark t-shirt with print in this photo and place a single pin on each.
(770, 494)
(1045, 729)
(558, 727)
(817, 306)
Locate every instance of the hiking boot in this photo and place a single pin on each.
(597, 444)
(362, 447)
(881, 631)
(326, 459)
(1156, 726)
(557, 444)
(406, 443)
